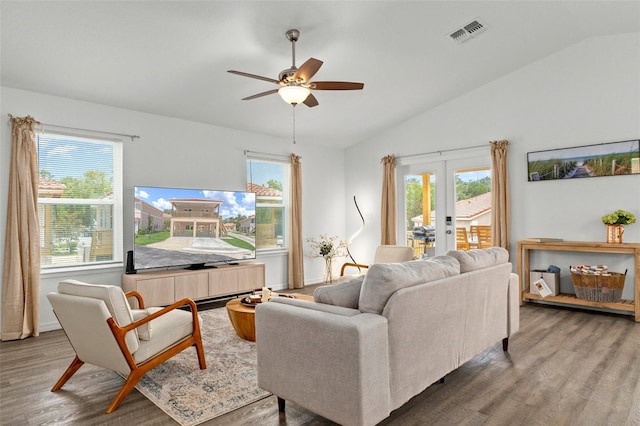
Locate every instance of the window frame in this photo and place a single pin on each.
(117, 219)
(267, 201)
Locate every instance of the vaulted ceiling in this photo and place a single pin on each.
(171, 57)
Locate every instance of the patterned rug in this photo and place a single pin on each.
(192, 396)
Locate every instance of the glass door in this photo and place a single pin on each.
(446, 204)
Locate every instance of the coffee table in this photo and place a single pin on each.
(243, 317)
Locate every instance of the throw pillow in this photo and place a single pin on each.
(144, 331)
(384, 279)
(480, 258)
(344, 293)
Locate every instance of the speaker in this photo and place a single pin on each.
(130, 269)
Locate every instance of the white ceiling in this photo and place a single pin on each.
(171, 57)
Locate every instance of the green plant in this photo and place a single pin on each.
(619, 217)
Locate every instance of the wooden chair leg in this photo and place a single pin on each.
(71, 370)
(127, 387)
(201, 359)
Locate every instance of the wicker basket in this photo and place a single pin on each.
(599, 287)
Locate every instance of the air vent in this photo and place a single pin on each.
(472, 29)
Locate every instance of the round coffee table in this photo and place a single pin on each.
(243, 317)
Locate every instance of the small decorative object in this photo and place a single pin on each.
(615, 224)
(328, 248)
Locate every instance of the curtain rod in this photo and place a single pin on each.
(443, 150)
(248, 152)
(89, 130)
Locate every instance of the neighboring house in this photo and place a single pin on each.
(148, 217)
(230, 226)
(47, 188)
(267, 200)
(248, 225)
(472, 211)
(196, 217)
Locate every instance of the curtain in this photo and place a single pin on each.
(296, 259)
(21, 275)
(388, 207)
(500, 199)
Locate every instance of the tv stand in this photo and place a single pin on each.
(163, 288)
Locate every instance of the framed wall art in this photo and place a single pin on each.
(605, 159)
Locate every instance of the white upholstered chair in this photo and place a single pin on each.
(106, 332)
(384, 254)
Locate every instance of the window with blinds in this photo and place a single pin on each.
(79, 200)
(269, 179)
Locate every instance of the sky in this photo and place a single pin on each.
(234, 203)
(65, 156)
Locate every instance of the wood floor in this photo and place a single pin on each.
(564, 367)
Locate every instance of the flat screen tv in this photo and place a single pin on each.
(192, 228)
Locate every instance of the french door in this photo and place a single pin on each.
(444, 203)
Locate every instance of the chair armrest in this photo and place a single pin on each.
(138, 297)
(186, 301)
(355, 265)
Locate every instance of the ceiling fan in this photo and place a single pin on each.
(295, 83)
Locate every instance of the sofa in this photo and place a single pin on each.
(365, 346)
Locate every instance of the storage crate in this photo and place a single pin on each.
(602, 287)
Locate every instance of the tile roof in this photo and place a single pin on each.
(263, 190)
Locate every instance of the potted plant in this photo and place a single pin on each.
(615, 222)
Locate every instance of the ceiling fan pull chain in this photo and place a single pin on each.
(293, 108)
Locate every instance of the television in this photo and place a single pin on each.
(192, 228)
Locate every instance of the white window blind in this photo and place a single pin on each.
(79, 200)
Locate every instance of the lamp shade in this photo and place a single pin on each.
(294, 94)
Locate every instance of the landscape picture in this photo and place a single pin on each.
(606, 159)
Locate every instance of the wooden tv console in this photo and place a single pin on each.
(162, 288)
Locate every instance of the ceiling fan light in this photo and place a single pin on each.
(294, 94)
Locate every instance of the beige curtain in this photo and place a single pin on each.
(296, 257)
(21, 277)
(388, 207)
(500, 199)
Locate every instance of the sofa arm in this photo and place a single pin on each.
(513, 314)
(344, 293)
(334, 365)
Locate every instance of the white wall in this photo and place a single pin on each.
(179, 153)
(586, 94)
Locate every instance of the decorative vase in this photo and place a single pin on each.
(614, 234)
(328, 269)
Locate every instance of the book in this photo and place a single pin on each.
(543, 240)
(540, 286)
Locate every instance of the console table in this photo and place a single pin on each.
(524, 248)
(161, 288)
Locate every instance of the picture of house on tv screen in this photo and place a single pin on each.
(193, 228)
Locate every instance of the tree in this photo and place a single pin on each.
(46, 174)
(274, 184)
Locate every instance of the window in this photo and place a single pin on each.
(79, 200)
(269, 179)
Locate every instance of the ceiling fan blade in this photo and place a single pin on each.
(311, 101)
(336, 85)
(308, 70)
(259, 95)
(259, 77)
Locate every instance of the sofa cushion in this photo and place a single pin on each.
(479, 258)
(383, 279)
(344, 293)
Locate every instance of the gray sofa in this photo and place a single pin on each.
(367, 345)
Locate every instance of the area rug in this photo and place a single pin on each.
(192, 396)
